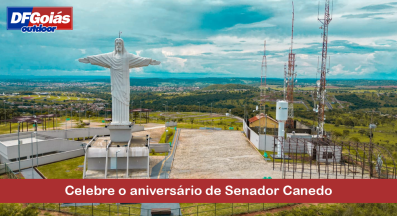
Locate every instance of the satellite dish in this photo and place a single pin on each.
(318, 82)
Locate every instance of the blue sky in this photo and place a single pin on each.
(202, 38)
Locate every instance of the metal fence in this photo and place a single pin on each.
(220, 209)
(5, 169)
(210, 209)
(90, 208)
(323, 158)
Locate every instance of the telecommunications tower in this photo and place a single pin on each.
(291, 78)
(323, 69)
(262, 99)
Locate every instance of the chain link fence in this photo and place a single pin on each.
(210, 209)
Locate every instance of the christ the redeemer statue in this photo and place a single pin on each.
(120, 62)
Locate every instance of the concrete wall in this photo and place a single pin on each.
(45, 146)
(76, 132)
(97, 163)
(264, 142)
(138, 156)
(171, 124)
(46, 159)
(160, 147)
(134, 163)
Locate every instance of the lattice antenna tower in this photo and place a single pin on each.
(263, 89)
(285, 78)
(291, 76)
(315, 91)
(323, 68)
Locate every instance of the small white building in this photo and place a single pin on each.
(325, 153)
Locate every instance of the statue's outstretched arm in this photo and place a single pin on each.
(102, 60)
(154, 62)
(84, 60)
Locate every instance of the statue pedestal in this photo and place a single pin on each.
(122, 133)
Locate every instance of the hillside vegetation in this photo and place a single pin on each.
(227, 87)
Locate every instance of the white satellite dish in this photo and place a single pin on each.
(318, 82)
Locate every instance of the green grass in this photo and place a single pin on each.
(67, 169)
(159, 154)
(101, 210)
(270, 153)
(169, 135)
(209, 209)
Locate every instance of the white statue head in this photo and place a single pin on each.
(119, 46)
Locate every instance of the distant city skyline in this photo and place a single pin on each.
(209, 38)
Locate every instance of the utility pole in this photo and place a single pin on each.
(371, 145)
(140, 114)
(5, 113)
(71, 110)
(19, 148)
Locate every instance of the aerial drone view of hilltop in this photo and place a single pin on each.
(290, 106)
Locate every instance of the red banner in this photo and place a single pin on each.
(198, 191)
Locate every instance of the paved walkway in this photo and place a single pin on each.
(163, 169)
(27, 173)
(147, 207)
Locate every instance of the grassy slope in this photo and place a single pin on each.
(67, 169)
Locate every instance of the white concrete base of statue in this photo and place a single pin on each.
(122, 133)
(120, 62)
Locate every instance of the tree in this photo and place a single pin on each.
(355, 139)
(346, 133)
(17, 209)
(336, 134)
(362, 132)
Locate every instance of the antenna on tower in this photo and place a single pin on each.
(285, 77)
(263, 88)
(291, 76)
(322, 91)
(120, 33)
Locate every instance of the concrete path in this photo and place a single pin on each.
(154, 127)
(27, 173)
(147, 207)
(163, 169)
